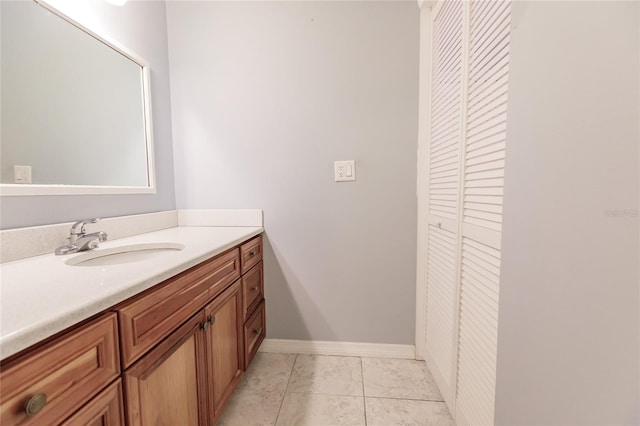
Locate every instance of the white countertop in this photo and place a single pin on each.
(42, 295)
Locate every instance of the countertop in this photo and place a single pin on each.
(41, 296)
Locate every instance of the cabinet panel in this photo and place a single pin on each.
(167, 386)
(106, 409)
(148, 319)
(254, 332)
(252, 289)
(63, 375)
(224, 346)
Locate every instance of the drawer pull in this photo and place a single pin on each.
(252, 253)
(212, 319)
(35, 404)
(255, 288)
(257, 331)
(205, 325)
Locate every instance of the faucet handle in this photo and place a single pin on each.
(81, 223)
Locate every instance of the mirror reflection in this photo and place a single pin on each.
(73, 108)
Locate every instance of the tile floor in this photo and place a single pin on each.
(290, 389)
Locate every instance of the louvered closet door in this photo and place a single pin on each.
(484, 149)
(444, 190)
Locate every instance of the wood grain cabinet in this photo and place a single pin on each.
(183, 346)
(190, 375)
(50, 383)
(168, 385)
(153, 315)
(255, 326)
(224, 347)
(193, 368)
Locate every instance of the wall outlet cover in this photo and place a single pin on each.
(345, 170)
(22, 174)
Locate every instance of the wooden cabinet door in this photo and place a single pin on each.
(225, 352)
(167, 386)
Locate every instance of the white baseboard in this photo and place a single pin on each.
(316, 347)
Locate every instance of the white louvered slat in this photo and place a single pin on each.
(441, 292)
(484, 141)
(490, 70)
(492, 190)
(478, 330)
(487, 112)
(445, 137)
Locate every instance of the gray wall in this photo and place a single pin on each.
(265, 96)
(569, 324)
(141, 27)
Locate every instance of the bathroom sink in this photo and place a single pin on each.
(123, 254)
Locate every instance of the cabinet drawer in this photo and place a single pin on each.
(252, 289)
(254, 332)
(106, 409)
(68, 372)
(147, 320)
(251, 253)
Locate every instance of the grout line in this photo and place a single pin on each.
(406, 399)
(323, 393)
(284, 394)
(364, 399)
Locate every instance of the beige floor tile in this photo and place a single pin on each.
(331, 375)
(250, 408)
(306, 409)
(268, 373)
(386, 412)
(398, 378)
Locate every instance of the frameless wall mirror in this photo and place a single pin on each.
(75, 109)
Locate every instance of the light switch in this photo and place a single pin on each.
(22, 174)
(345, 170)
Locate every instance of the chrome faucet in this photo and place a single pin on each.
(79, 240)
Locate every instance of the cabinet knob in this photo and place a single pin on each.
(257, 331)
(255, 288)
(211, 319)
(252, 253)
(35, 404)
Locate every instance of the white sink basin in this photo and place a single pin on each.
(123, 254)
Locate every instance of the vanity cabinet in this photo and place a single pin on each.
(171, 355)
(189, 376)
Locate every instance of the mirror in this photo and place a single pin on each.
(75, 110)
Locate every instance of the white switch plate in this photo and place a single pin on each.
(345, 170)
(22, 174)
